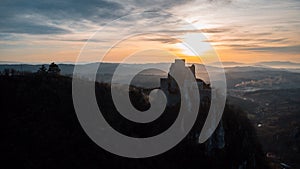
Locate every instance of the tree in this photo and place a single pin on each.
(13, 72)
(6, 72)
(54, 69)
(42, 70)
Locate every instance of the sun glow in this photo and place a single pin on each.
(192, 46)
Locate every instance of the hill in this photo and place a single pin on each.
(41, 130)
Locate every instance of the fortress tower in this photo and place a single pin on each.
(170, 86)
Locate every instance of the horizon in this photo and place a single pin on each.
(69, 62)
(268, 65)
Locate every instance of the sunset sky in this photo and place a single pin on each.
(238, 30)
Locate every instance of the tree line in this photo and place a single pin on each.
(53, 69)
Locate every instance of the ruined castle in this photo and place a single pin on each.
(170, 86)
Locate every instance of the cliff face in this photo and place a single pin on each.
(41, 130)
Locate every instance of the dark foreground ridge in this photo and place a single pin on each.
(40, 130)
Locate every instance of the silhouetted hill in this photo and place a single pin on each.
(40, 130)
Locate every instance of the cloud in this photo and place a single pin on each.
(61, 17)
(7, 37)
(70, 39)
(176, 34)
(163, 40)
(30, 28)
(259, 40)
(247, 25)
(291, 49)
(215, 30)
(282, 49)
(195, 30)
(155, 4)
(49, 17)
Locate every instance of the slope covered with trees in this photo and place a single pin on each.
(40, 130)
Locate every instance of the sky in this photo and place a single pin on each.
(244, 31)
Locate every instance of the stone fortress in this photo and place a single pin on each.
(171, 89)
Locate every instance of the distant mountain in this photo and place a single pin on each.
(270, 64)
(10, 62)
(251, 78)
(238, 77)
(279, 64)
(229, 64)
(249, 69)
